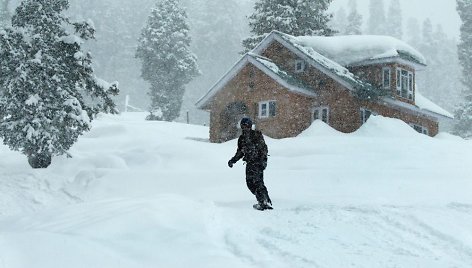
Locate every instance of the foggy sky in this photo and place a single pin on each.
(439, 11)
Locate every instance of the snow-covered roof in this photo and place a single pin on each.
(265, 65)
(426, 104)
(424, 107)
(351, 50)
(357, 49)
(326, 65)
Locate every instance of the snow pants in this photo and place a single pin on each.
(255, 182)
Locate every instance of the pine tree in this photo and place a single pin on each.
(50, 92)
(4, 13)
(339, 21)
(167, 62)
(464, 113)
(354, 19)
(394, 23)
(118, 25)
(295, 17)
(413, 33)
(376, 23)
(216, 26)
(440, 80)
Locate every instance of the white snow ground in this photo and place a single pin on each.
(155, 194)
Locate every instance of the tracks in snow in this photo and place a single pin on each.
(350, 236)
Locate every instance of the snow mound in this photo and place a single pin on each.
(380, 126)
(448, 137)
(319, 129)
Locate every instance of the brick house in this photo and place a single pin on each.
(287, 82)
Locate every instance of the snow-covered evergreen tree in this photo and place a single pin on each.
(464, 113)
(117, 27)
(440, 81)
(413, 32)
(354, 19)
(217, 34)
(394, 23)
(50, 92)
(167, 62)
(339, 21)
(295, 17)
(376, 22)
(4, 13)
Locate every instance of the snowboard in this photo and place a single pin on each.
(259, 207)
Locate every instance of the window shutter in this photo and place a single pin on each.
(272, 108)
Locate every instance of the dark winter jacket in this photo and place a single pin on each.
(252, 148)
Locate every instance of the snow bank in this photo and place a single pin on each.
(157, 194)
(319, 129)
(385, 127)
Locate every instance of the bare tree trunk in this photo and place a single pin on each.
(39, 160)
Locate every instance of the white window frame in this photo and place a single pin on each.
(404, 76)
(363, 114)
(320, 113)
(420, 129)
(302, 66)
(267, 113)
(389, 77)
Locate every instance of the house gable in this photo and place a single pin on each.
(266, 66)
(266, 90)
(318, 61)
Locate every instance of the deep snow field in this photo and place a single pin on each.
(154, 194)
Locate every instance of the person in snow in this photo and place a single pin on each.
(253, 149)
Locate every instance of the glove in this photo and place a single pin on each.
(230, 163)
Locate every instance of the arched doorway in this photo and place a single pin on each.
(230, 118)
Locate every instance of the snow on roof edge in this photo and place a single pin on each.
(349, 49)
(428, 105)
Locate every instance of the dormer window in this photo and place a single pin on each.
(299, 66)
(405, 81)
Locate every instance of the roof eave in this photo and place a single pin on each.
(416, 65)
(204, 101)
(414, 109)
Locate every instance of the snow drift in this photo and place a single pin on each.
(154, 194)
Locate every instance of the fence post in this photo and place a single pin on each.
(126, 103)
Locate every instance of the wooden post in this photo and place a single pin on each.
(126, 103)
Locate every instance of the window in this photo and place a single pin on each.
(420, 129)
(299, 66)
(405, 82)
(410, 86)
(251, 85)
(267, 109)
(365, 114)
(321, 113)
(386, 77)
